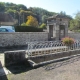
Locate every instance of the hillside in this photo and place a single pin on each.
(20, 12)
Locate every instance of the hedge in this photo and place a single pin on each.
(27, 29)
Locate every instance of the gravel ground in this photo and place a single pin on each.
(64, 70)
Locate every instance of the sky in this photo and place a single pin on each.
(71, 7)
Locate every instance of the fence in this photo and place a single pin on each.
(45, 47)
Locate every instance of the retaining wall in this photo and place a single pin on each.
(17, 56)
(12, 57)
(20, 38)
(47, 57)
(74, 35)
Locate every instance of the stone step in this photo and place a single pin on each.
(4, 71)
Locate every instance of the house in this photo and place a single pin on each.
(6, 19)
(57, 26)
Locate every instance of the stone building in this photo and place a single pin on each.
(6, 19)
(57, 27)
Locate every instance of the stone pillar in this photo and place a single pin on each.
(54, 31)
(48, 31)
(57, 32)
(48, 28)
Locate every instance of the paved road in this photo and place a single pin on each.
(69, 71)
(64, 70)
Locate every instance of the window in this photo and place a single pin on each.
(3, 30)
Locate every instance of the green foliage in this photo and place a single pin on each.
(75, 23)
(28, 29)
(42, 14)
(20, 12)
(2, 7)
(62, 13)
(44, 18)
(21, 7)
(12, 12)
(77, 17)
(43, 25)
(23, 24)
(41, 11)
(77, 31)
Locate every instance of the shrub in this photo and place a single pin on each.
(68, 41)
(43, 25)
(23, 24)
(28, 29)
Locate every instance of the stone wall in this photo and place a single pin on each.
(36, 61)
(20, 38)
(53, 56)
(74, 35)
(12, 57)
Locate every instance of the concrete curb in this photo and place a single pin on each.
(33, 64)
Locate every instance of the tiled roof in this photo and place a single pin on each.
(58, 16)
(5, 17)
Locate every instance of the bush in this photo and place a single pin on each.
(23, 24)
(27, 29)
(43, 25)
(68, 41)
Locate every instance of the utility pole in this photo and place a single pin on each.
(23, 17)
(19, 19)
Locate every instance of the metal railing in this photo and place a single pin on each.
(46, 47)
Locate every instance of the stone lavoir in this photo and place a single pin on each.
(57, 28)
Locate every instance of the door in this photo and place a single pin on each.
(61, 31)
(51, 32)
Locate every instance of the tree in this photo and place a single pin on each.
(72, 25)
(41, 13)
(32, 21)
(43, 25)
(75, 23)
(12, 12)
(62, 13)
(2, 7)
(21, 6)
(44, 18)
(77, 17)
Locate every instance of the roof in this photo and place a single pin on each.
(59, 16)
(5, 17)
